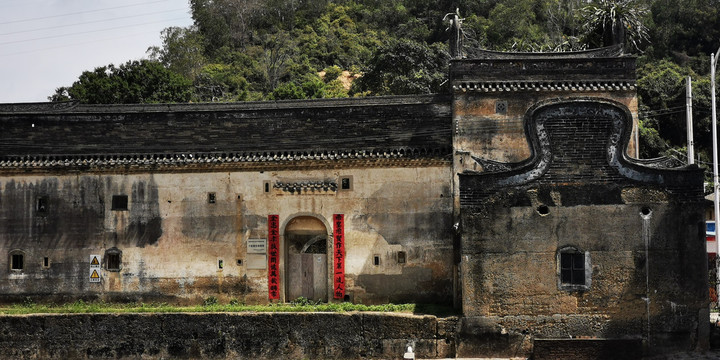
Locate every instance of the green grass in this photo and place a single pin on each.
(209, 305)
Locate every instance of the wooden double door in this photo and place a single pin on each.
(306, 265)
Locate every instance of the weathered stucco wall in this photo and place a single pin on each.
(638, 232)
(487, 134)
(172, 238)
(225, 336)
(493, 94)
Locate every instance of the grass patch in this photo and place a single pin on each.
(81, 307)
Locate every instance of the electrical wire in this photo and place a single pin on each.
(87, 32)
(65, 45)
(81, 12)
(90, 22)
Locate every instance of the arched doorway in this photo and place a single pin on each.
(306, 259)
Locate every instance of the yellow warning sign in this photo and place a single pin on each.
(94, 261)
(94, 275)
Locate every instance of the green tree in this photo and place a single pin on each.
(181, 51)
(142, 81)
(220, 82)
(611, 22)
(685, 28)
(516, 25)
(405, 67)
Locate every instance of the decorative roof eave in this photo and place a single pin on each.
(224, 161)
(74, 107)
(604, 52)
(573, 86)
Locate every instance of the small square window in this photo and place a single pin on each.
(46, 262)
(573, 269)
(119, 202)
(113, 259)
(376, 260)
(17, 261)
(401, 257)
(346, 183)
(41, 205)
(211, 198)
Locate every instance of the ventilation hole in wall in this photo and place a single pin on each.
(376, 260)
(501, 107)
(266, 186)
(46, 262)
(119, 202)
(543, 210)
(239, 262)
(41, 205)
(645, 211)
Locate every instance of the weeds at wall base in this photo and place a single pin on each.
(212, 305)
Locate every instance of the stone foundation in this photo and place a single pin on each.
(226, 336)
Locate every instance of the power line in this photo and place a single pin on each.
(81, 12)
(86, 32)
(73, 44)
(90, 22)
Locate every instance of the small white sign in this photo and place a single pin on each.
(256, 246)
(94, 261)
(256, 262)
(94, 275)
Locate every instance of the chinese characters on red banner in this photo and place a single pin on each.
(339, 268)
(273, 257)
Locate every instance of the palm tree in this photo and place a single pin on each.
(617, 21)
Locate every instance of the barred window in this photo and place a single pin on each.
(574, 271)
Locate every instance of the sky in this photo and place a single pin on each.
(46, 44)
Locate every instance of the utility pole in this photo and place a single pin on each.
(716, 186)
(688, 116)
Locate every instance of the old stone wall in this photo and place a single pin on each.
(587, 349)
(494, 93)
(178, 245)
(581, 240)
(226, 336)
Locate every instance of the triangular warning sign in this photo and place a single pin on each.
(94, 261)
(94, 275)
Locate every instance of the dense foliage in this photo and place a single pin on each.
(239, 50)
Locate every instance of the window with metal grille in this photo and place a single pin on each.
(113, 259)
(346, 183)
(17, 261)
(574, 271)
(572, 268)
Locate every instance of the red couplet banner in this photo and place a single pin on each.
(339, 255)
(273, 257)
